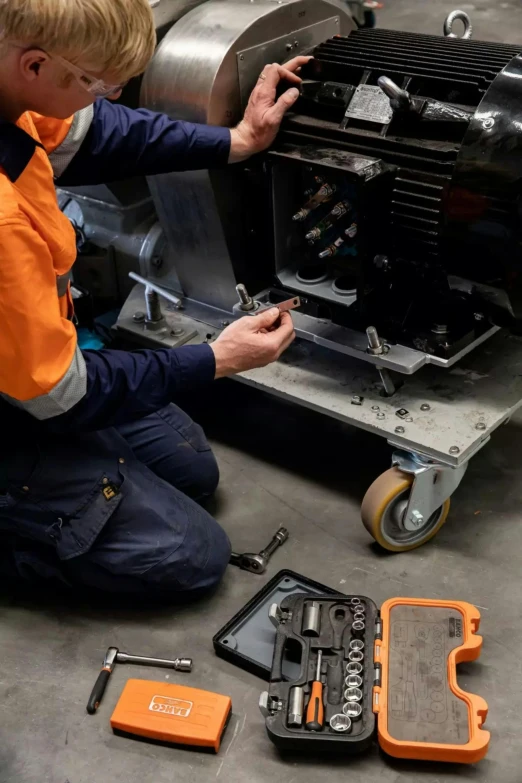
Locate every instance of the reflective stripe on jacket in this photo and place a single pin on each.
(41, 367)
(42, 371)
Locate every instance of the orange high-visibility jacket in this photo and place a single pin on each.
(42, 370)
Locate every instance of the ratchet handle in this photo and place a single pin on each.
(98, 691)
(277, 541)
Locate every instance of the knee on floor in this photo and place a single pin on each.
(204, 476)
(198, 565)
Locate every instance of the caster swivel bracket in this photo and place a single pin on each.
(433, 484)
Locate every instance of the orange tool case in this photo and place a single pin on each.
(171, 713)
(406, 676)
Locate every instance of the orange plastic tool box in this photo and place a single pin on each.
(402, 661)
(171, 713)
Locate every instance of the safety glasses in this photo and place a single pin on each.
(91, 84)
(96, 87)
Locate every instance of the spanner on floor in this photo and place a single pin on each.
(257, 563)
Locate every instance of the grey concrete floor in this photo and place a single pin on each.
(279, 465)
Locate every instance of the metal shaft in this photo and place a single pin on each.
(244, 297)
(180, 664)
(152, 303)
(388, 384)
(319, 666)
(277, 541)
(153, 287)
(247, 303)
(374, 341)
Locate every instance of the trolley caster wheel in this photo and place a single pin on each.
(383, 509)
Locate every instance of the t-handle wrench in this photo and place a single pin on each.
(114, 656)
(257, 563)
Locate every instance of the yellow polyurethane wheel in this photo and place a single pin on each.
(383, 509)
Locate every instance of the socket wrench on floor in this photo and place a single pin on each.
(114, 656)
(257, 564)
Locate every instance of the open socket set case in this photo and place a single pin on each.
(391, 669)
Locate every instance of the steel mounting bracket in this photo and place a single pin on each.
(433, 484)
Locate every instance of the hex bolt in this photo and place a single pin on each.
(373, 338)
(375, 345)
(375, 408)
(454, 450)
(425, 407)
(177, 332)
(381, 416)
(244, 297)
(400, 430)
(417, 517)
(245, 300)
(138, 317)
(225, 323)
(480, 426)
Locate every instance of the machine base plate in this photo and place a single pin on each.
(445, 414)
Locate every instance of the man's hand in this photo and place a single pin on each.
(253, 341)
(258, 128)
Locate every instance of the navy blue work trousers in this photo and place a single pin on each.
(118, 510)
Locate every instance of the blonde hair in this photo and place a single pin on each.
(117, 36)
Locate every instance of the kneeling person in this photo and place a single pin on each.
(101, 474)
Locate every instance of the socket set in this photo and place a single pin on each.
(363, 668)
(342, 670)
(331, 701)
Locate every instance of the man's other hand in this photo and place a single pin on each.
(258, 128)
(253, 341)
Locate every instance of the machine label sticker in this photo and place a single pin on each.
(178, 708)
(369, 103)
